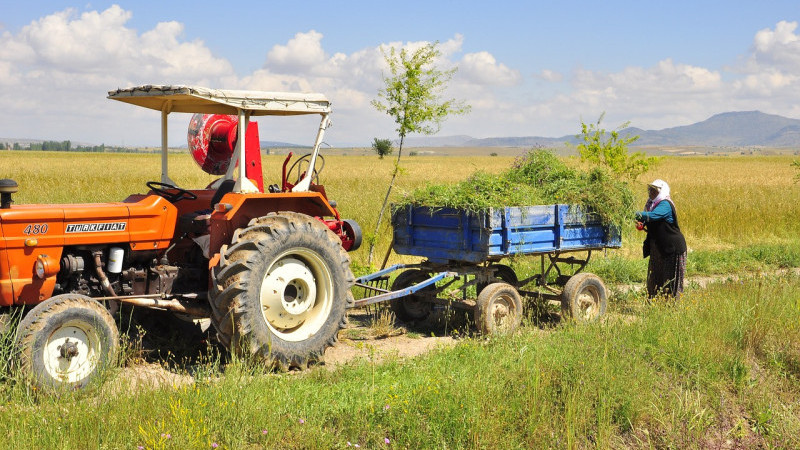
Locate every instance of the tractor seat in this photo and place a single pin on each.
(196, 222)
(225, 187)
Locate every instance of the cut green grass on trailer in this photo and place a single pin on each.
(538, 178)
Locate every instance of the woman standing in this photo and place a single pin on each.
(665, 244)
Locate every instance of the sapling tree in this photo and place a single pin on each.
(412, 96)
(611, 150)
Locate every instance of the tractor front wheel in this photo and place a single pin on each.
(66, 342)
(282, 290)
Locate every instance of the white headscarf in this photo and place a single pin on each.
(663, 194)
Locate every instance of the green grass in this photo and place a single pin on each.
(721, 368)
(614, 267)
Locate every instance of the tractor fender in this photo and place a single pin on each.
(236, 210)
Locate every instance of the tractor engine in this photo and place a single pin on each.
(115, 271)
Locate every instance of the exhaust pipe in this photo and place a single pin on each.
(7, 187)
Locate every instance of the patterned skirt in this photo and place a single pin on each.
(665, 273)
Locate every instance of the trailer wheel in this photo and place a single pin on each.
(498, 309)
(282, 290)
(66, 342)
(411, 307)
(584, 298)
(503, 273)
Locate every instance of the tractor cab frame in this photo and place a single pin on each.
(243, 104)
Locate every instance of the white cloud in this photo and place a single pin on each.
(779, 48)
(483, 68)
(299, 54)
(551, 76)
(55, 71)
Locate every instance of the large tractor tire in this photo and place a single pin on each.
(282, 290)
(66, 342)
(584, 298)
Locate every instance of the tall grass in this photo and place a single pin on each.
(726, 202)
(719, 369)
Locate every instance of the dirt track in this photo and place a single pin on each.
(356, 342)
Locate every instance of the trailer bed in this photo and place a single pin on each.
(445, 235)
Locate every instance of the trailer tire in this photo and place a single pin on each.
(498, 309)
(281, 291)
(47, 357)
(584, 298)
(411, 307)
(502, 273)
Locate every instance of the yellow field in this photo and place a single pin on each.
(723, 202)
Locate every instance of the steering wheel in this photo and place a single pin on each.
(307, 160)
(162, 189)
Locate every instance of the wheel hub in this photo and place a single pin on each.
(288, 293)
(69, 349)
(500, 312)
(71, 352)
(587, 304)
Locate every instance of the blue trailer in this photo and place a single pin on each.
(467, 246)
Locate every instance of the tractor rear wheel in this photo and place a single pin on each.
(282, 290)
(66, 342)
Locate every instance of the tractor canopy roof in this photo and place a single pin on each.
(194, 99)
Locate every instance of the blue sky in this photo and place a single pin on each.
(527, 68)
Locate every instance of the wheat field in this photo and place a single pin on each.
(723, 201)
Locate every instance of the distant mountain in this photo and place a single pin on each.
(730, 129)
(436, 141)
(529, 141)
(276, 144)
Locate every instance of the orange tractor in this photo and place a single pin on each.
(268, 267)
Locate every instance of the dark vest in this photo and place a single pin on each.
(668, 236)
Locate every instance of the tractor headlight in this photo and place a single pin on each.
(45, 266)
(38, 268)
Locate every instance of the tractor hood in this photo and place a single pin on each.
(188, 99)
